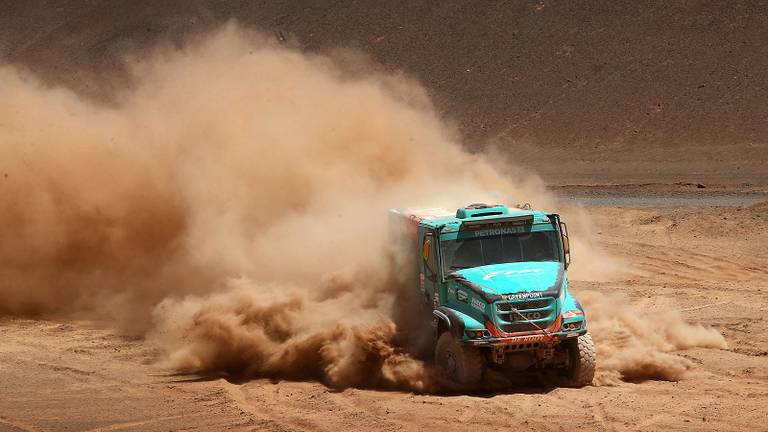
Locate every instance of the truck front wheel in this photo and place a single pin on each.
(463, 364)
(581, 361)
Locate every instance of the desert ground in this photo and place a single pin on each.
(704, 260)
(646, 122)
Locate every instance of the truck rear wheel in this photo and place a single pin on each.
(463, 364)
(581, 361)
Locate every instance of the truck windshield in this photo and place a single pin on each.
(505, 248)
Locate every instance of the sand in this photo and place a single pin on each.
(651, 118)
(74, 375)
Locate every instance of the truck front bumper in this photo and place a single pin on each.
(528, 341)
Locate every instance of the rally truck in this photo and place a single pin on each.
(493, 282)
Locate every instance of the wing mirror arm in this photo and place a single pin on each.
(566, 244)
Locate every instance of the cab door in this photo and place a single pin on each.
(430, 280)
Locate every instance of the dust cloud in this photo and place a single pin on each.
(231, 206)
(636, 343)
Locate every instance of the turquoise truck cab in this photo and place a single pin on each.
(494, 280)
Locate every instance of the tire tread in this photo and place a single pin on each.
(586, 353)
(472, 364)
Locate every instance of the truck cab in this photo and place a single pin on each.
(494, 281)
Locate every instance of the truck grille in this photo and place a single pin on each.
(521, 327)
(524, 304)
(542, 312)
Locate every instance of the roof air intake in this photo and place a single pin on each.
(481, 210)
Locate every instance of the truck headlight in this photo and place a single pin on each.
(572, 326)
(477, 334)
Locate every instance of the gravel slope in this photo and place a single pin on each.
(581, 91)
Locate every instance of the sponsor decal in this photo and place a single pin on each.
(462, 296)
(477, 304)
(531, 315)
(492, 275)
(524, 295)
(528, 339)
(500, 231)
(423, 289)
(572, 313)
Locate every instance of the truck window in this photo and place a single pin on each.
(479, 251)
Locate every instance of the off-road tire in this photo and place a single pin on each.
(467, 364)
(581, 361)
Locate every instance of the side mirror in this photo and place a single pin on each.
(430, 263)
(566, 243)
(427, 250)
